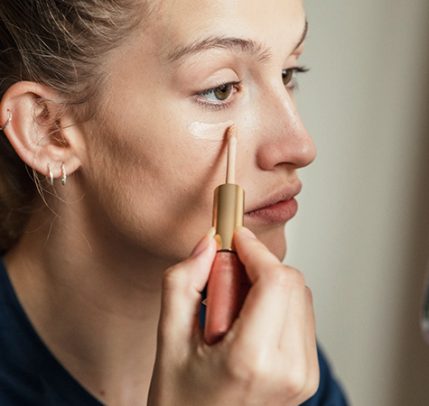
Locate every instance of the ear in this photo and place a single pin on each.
(40, 129)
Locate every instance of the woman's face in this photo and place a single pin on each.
(157, 150)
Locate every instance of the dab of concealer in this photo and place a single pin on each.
(209, 131)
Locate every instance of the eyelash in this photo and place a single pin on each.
(236, 87)
(293, 83)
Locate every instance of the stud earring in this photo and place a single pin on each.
(50, 176)
(63, 175)
(9, 119)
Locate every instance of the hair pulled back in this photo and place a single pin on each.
(59, 43)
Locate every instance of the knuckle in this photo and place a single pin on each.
(276, 276)
(259, 371)
(312, 386)
(295, 381)
(313, 379)
(249, 370)
(173, 277)
(283, 276)
(237, 368)
(297, 276)
(309, 295)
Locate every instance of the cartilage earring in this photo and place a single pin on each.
(63, 175)
(9, 119)
(50, 176)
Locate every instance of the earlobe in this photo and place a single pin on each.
(33, 115)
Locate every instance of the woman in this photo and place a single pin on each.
(126, 104)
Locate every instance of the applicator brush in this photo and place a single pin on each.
(228, 282)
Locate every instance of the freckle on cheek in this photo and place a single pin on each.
(208, 131)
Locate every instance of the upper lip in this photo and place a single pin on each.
(284, 194)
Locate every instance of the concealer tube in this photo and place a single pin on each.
(228, 282)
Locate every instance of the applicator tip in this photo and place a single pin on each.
(232, 152)
(231, 132)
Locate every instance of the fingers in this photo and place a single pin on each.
(311, 347)
(277, 319)
(299, 346)
(253, 254)
(294, 341)
(267, 305)
(269, 356)
(181, 293)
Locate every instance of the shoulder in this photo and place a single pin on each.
(29, 373)
(17, 361)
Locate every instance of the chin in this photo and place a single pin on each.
(274, 239)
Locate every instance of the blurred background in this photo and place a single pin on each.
(362, 233)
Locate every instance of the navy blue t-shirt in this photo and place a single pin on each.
(31, 376)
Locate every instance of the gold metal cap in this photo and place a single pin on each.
(228, 211)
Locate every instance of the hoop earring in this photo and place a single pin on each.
(9, 119)
(50, 176)
(63, 174)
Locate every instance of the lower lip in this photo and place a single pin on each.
(280, 212)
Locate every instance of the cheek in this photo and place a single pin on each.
(155, 192)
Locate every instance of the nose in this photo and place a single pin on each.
(284, 140)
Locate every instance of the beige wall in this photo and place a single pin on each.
(362, 235)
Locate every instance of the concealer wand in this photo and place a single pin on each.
(228, 282)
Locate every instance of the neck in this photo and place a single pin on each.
(94, 300)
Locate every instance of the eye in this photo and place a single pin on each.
(219, 95)
(222, 92)
(288, 76)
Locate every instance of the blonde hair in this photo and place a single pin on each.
(59, 43)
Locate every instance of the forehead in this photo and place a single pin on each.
(177, 22)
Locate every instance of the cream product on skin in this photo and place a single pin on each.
(209, 131)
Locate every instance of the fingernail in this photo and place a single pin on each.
(246, 232)
(203, 243)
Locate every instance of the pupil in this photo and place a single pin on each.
(222, 92)
(287, 76)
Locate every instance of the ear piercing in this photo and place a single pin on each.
(9, 119)
(50, 176)
(63, 174)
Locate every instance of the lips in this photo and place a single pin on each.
(278, 208)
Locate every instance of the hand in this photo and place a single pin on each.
(269, 356)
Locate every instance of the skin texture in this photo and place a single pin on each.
(140, 196)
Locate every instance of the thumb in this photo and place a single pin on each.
(181, 293)
(254, 255)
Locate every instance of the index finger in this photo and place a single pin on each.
(254, 255)
(266, 306)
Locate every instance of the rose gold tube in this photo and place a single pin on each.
(227, 288)
(228, 282)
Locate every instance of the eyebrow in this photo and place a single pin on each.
(247, 46)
